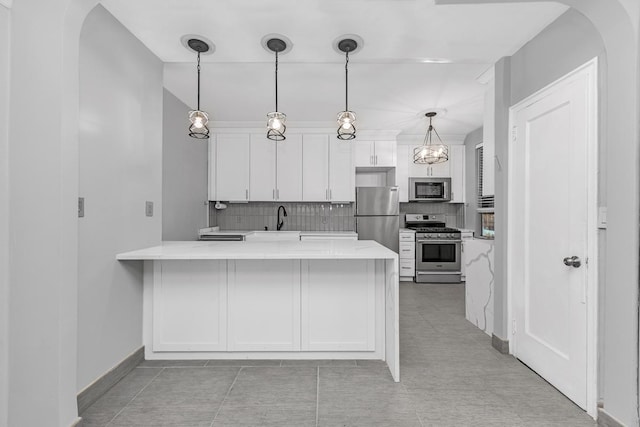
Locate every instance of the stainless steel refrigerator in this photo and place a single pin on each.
(377, 217)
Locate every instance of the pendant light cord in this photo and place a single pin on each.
(346, 83)
(198, 81)
(276, 80)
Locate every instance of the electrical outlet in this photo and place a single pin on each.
(149, 208)
(80, 207)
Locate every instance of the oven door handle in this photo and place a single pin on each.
(439, 241)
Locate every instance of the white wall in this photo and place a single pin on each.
(120, 166)
(184, 174)
(471, 186)
(4, 213)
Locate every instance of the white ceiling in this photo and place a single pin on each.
(393, 79)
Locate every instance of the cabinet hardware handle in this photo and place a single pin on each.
(278, 193)
(330, 194)
(371, 160)
(246, 194)
(376, 162)
(273, 194)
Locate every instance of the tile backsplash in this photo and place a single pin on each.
(300, 216)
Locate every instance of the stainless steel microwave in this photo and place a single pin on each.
(429, 189)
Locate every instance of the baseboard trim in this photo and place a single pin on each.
(499, 344)
(606, 420)
(100, 386)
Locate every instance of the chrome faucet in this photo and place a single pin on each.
(281, 221)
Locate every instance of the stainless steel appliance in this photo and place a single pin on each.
(438, 249)
(429, 189)
(376, 215)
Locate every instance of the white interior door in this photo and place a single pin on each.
(551, 218)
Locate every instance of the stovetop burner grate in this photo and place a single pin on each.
(434, 229)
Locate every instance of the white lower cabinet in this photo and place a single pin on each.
(190, 306)
(264, 305)
(407, 254)
(465, 235)
(338, 305)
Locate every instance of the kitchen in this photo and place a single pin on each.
(143, 232)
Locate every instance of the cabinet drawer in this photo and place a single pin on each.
(407, 267)
(407, 250)
(407, 237)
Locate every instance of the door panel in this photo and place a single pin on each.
(549, 205)
(290, 169)
(263, 169)
(232, 167)
(315, 168)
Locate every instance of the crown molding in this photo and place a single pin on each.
(6, 3)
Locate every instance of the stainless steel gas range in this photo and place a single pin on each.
(438, 249)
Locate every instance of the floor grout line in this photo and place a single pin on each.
(226, 395)
(136, 395)
(317, 395)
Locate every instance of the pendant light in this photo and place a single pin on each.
(276, 120)
(346, 118)
(429, 153)
(198, 118)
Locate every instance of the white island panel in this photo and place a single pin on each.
(190, 306)
(338, 305)
(254, 289)
(264, 305)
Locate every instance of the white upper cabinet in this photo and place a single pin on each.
(232, 167)
(212, 168)
(402, 173)
(375, 153)
(276, 169)
(457, 160)
(315, 168)
(440, 170)
(289, 169)
(263, 169)
(341, 171)
(327, 169)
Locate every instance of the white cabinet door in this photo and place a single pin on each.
(315, 168)
(402, 173)
(264, 305)
(338, 305)
(289, 169)
(262, 187)
(190, 306)
(385, 154)
(212, 168)
(364, 153)
(457, 160)
(440, 170)
(342, 174)
(443, 170)
(232, 167)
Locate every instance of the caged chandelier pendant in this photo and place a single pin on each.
(429, 153)
(275, 119)
(346, 118)
(198, 118)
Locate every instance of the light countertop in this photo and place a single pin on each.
(213, 232)
(316, 249)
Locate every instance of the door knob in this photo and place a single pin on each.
(572, 261)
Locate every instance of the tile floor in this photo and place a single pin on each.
(451, 376)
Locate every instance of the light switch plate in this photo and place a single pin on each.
(602, 217)
(149, 209)
(80, 207)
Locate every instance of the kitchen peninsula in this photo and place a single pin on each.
(326, 299)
